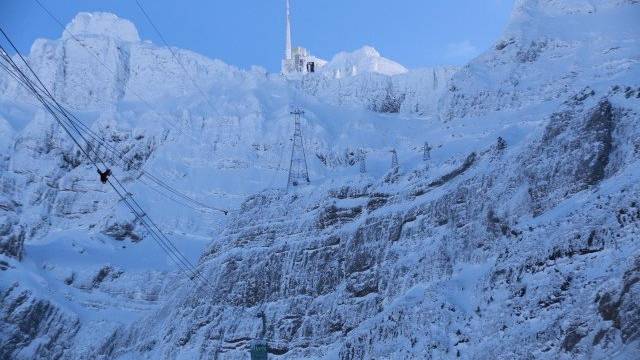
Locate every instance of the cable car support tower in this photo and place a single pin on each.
(298, 171)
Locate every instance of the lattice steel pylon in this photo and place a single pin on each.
(298, 171)
(394, 159)
(426, 155)
(362, 159)
(426, 152)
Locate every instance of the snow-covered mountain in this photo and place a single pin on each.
(364, 60)
(517, 238)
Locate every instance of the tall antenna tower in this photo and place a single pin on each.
(287, 48)
(298, 172)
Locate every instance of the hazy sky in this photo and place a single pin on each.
(416, 33)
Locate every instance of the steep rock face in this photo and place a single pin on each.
(33, 327)
(68, 231)
(98, 24)
(591, 145)
(100, 61)
(425, 269)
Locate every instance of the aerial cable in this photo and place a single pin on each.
(167, 196)
(76, 39)
(75, 123)
(47, 106)
(174, 55)
(121, 156)
(145, 102)
(181, 261)
(184, 267)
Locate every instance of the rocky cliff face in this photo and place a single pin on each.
(516, 239)
(464, 263)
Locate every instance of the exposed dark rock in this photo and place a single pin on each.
(4, 265)
(122, 232)
(468, 162)
(504, 43)
(31, 322)
(376, 203)
(333, 215)
(104, 273)
(12, 239)
(349, 192)
(568, 161)
(572, 337)
(531, 54)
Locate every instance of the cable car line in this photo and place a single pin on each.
(145, 102)
(116, 152)
(118, 155)
(47, 107)
(183, 264)
(174, 55)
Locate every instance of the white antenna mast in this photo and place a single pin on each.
(287, 50)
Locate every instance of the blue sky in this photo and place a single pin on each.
(416, 33)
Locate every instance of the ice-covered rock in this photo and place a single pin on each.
(102, 25)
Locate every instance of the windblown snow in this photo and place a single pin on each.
(516, 237)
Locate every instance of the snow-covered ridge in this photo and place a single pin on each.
(137, 71)
(364, 60)
(549, 48)
(528, 9)
(101, 24)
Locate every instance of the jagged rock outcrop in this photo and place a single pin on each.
(34, 327)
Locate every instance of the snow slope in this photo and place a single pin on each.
(523, 247)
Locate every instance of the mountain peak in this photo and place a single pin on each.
(367, 50)
(364, 60)
(104, 24)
